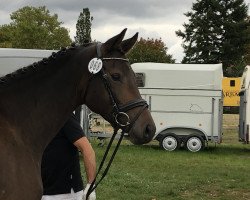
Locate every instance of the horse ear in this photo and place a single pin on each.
(114, 42)
(129, 43)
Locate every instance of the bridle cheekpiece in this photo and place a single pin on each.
(119, 111)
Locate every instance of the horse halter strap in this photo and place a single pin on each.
(119, 111)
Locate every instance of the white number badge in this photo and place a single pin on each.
(95, 65)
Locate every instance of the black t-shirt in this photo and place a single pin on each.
(60, 163)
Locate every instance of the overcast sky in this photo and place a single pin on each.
(151, 18)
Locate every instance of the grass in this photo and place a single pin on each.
(149, 173)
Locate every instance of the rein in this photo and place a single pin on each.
(119, 112)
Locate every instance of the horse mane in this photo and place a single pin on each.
(36, 67)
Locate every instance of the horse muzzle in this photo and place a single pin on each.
(142, 133)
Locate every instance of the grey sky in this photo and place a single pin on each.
(151, 18)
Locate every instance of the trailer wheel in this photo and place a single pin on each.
(194, 143)
(170, 142)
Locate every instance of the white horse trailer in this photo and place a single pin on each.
(244, 118)
(13, 59)
(185, 100)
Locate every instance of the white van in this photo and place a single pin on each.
(244, 118)
(13, 59)
(185, 100)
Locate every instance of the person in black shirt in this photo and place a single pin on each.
(60, 168)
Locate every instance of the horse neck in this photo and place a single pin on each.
(38, 106)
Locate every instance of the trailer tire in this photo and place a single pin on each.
(170, 142)
(194, 143)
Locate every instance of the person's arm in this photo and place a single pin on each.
(88, 157)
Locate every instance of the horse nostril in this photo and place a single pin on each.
(148, 132)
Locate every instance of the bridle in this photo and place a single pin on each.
(119, 112)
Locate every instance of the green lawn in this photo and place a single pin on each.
(150, 173)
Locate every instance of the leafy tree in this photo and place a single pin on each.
(216, 33)
(150, 50)
(35, 28)
(83, 27)
(247, 54)
(5, 36)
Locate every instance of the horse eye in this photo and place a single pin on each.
(116, 77)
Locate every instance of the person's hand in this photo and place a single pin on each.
(92, 195)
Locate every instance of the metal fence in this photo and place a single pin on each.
(93, 124)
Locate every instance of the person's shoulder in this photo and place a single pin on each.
(73, 116)
(72, 129)
(72, 122)
(72, 119)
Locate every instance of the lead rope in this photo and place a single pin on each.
(94, 185)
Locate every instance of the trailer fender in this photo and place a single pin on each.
(182, 133)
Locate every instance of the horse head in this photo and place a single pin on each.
(112, 91)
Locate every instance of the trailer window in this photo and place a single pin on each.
(232, 83)
(140, 79)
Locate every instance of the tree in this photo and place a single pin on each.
(216, 33)
(247, 54)
(5, 36)
(150, 50)
(83, 27)
(34, 28)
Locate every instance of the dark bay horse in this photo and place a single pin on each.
(35, 102)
